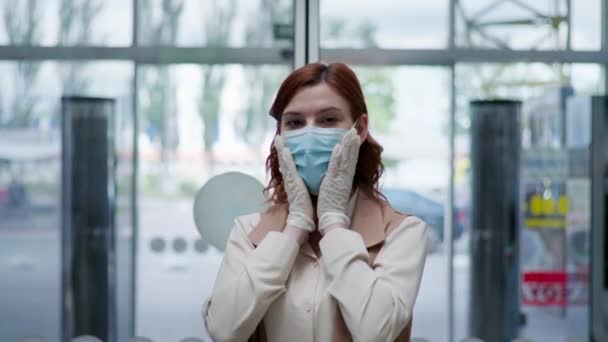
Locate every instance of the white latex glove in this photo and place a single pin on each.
(333, 202)
(300, 205)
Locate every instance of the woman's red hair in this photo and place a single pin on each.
(343, 80)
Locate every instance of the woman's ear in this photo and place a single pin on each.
(361, 126)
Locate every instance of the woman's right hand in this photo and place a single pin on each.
(301, 210)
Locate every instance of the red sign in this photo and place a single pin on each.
(544, 289)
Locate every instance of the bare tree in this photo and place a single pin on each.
(22, 24)
(76, 22)
(377, 82)
(160, 113)
(218, 25)
(262, 82)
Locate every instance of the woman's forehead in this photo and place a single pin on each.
(312, 99)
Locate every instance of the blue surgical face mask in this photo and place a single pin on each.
(311, 148)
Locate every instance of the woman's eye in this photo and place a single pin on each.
(328, 120)
(293, 123)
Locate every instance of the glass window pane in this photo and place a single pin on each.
(586, 25)
(234, 23)
(30, 188)
(66, 22)
(389, 24)
(528, 24)
(409, 111)
(544, 90)
(196, 121)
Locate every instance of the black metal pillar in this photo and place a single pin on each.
(88, 193)
(599, 218)
(495, 154)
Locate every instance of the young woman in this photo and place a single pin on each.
(330, 260)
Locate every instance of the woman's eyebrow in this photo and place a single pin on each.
(321, 111)
(292, 114)
(330, 109)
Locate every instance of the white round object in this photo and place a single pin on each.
(221, 200)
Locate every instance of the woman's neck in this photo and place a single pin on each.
(313, 199)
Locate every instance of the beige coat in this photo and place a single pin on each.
(362, 287)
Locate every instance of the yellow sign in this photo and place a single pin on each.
(546, 212)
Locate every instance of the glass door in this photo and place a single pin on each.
(554, 218)
(409, 115)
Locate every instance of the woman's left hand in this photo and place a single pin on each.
(335, 190)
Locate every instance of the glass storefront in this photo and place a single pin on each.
(553, 223)
(30, 188)
(193, 82)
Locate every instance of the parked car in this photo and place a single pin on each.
(429, 210)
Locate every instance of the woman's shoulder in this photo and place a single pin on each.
(256, 225)
(411, 221)
(408, 229)
(398, 220)
(247, 222)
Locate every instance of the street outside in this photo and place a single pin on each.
(174, 279)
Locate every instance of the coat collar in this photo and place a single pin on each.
(370, 218)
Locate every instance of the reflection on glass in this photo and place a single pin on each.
(196, 121)
(233, 23)
(522, 81)
(547, 190)
(515, 24)
(66, 22)
(586, 25)
(30, 175)
(387, 24)
(408, 112)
